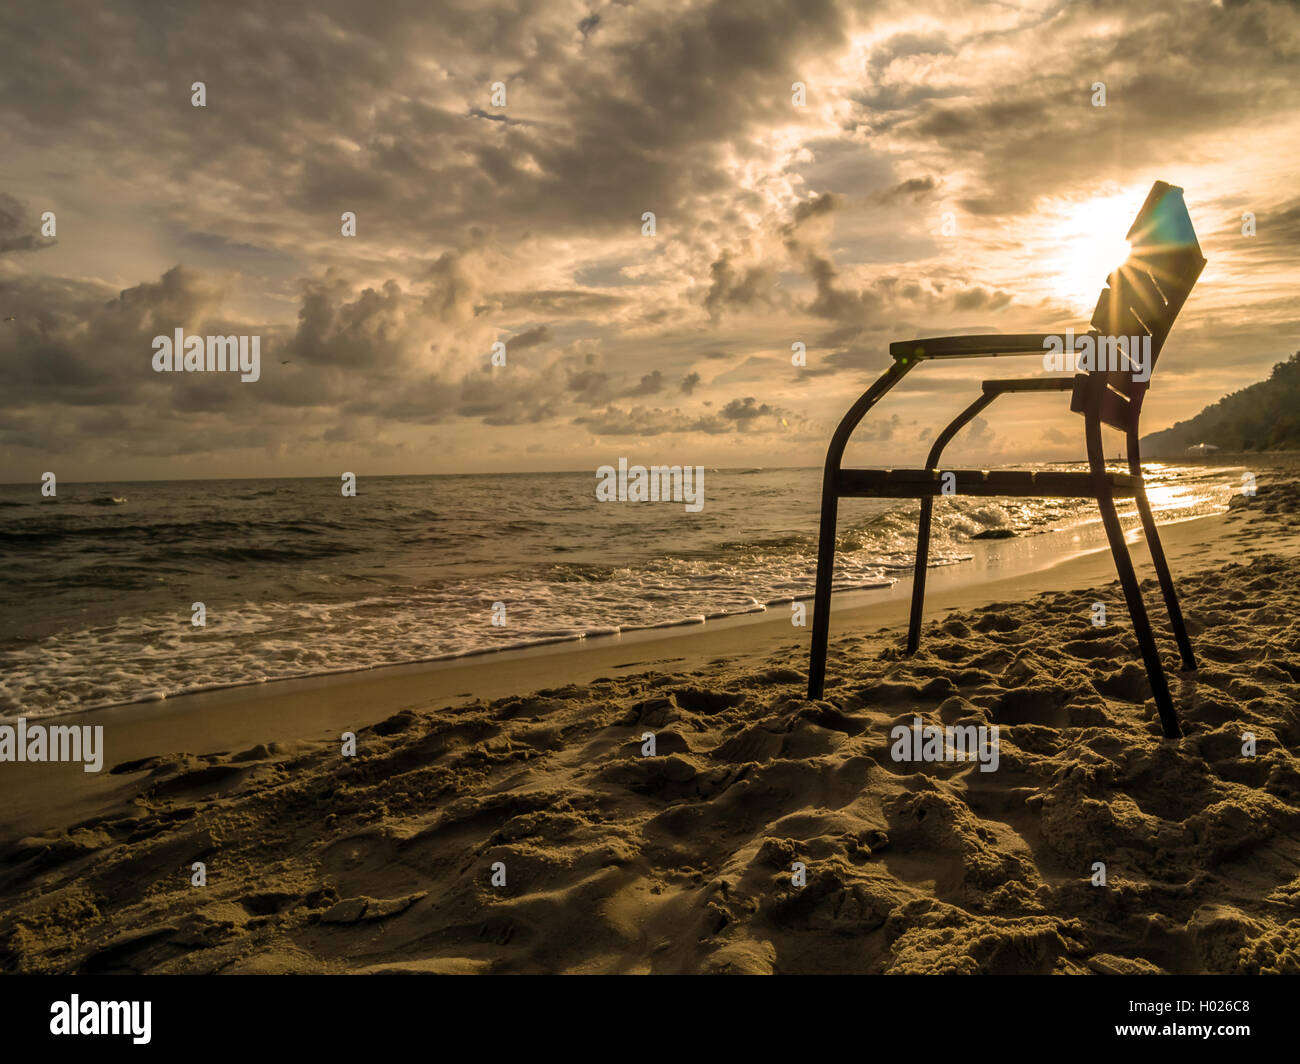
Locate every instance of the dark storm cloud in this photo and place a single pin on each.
(913, 189)
(529, 338)
(817, 207)
(73, 346)
(651, 384)
(365, 353)
(732, 288)
(746, 409)
(1277, 230)
(597, 129)
(591, 386)
(637, 421)
(19, 228)
(832, 300)
(739, 415)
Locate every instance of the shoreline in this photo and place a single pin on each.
(40, 797)
(990, 555)
(397, 604)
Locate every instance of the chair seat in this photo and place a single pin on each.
(919, 483)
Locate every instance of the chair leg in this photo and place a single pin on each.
(1137, 611)
(918, 575)
(822, 596)
(1166, 582)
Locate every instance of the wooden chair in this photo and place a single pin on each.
(1142, 298)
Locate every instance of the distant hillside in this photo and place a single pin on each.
(1263, 417)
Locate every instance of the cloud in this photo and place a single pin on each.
(477, 223)
(914, 189)
(732, 289)
(529, 338)
(651, 384)
(18, 229)
(738, 415)
(980, 298)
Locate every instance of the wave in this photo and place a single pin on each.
(256, 553)
(298, 583)
(172, 531)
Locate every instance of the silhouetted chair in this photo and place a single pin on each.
(1142, 299)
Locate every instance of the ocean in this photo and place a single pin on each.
(101, 582)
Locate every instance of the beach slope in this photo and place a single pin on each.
(767, 833)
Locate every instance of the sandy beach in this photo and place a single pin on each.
(685, 861)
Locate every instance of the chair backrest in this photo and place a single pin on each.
(1144, 295)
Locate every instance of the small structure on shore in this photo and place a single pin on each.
(1201, 449)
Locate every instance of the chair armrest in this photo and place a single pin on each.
(970, 346)
(991, 390)
(1032, 384)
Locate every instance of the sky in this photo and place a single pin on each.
(945, 169)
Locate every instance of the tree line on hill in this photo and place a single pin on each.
(1262, 417)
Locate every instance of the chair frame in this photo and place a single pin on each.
(1099, 396)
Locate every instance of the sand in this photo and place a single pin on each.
(684, 861)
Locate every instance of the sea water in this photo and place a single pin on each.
(100, 582)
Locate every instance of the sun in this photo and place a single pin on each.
(1087, 243)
